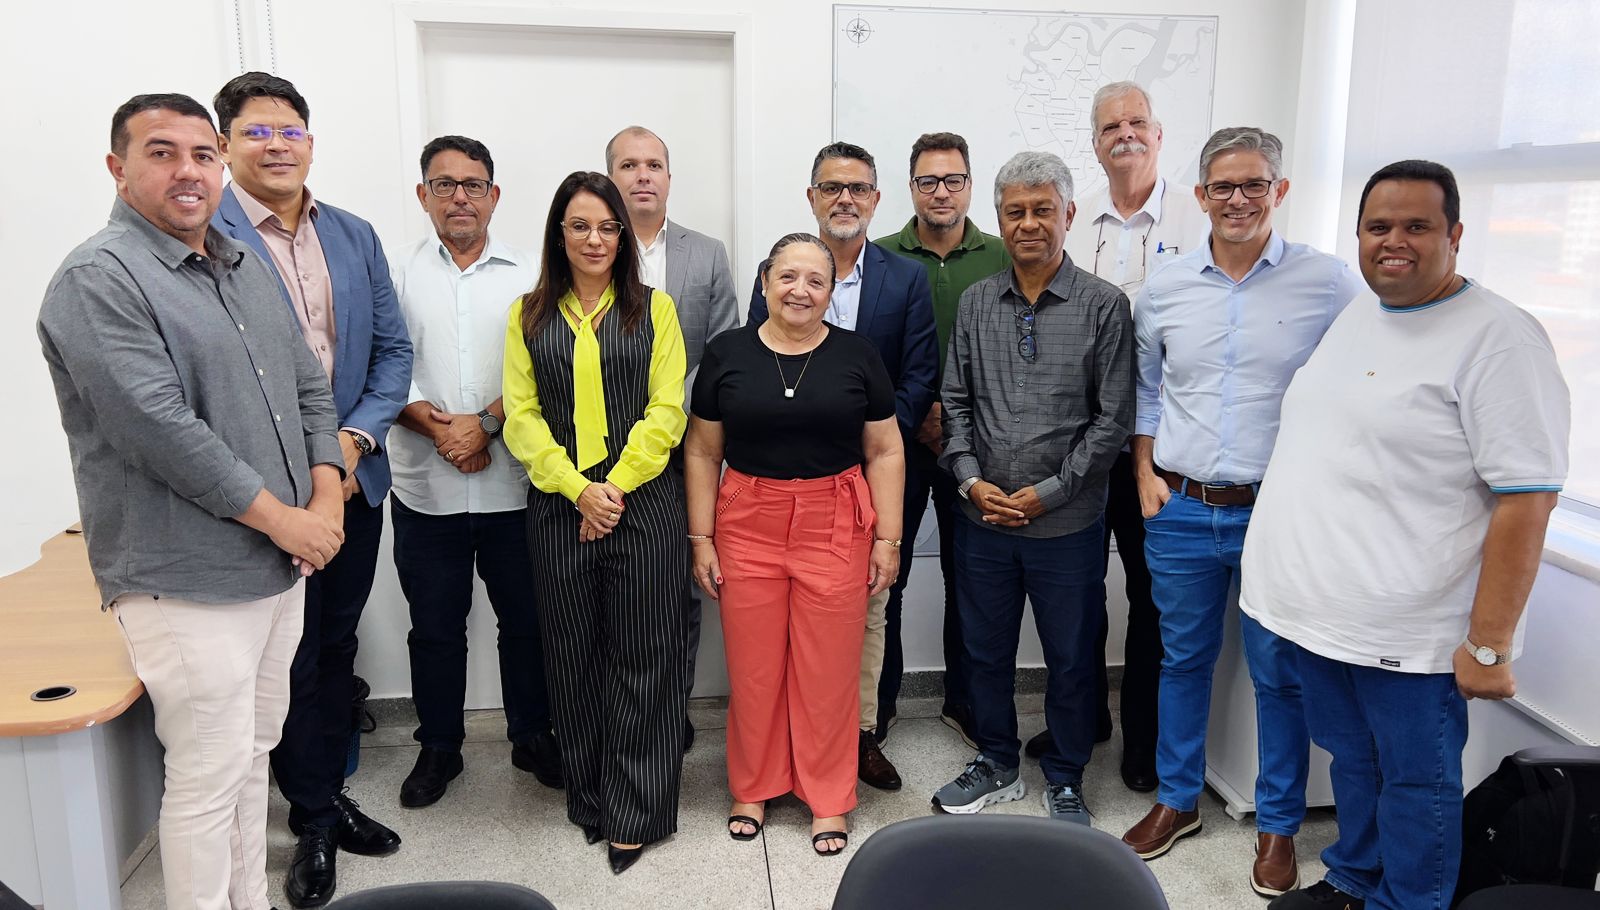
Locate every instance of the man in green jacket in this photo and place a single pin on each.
(956, 255)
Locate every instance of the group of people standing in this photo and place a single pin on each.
(597, 437)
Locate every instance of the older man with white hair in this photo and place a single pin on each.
(1129, 227)
(1221, 331)
(1038, 401)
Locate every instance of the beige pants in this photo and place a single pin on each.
(218, 678)
(872, 657)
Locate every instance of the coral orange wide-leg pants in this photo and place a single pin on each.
(794, 558)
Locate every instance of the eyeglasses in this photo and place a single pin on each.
(258, 132)
(1252, 189)
(929, 185)
(1027, 345)
(578, 229)
(831, 190)
(444, 186)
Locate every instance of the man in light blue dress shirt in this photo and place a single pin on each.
(1220, 332)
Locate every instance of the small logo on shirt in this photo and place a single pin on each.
(1389, 662)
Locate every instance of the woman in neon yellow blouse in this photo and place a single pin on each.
(594, 373)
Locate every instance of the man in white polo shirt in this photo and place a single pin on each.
(460, 499)
(1397, 535)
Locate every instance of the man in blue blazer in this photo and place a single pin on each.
(886, 297)
(335, 280)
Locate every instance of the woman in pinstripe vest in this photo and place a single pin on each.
(594, 374)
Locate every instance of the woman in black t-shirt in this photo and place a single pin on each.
(805, 526)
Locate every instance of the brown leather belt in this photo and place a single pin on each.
(1212, 494)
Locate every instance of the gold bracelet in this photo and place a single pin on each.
(893, 543)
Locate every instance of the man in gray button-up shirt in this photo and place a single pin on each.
(202, 439)
(1038, 401)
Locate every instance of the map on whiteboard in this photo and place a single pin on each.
(1010, 81)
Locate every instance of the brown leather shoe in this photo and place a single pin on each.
(873, 769)
(1275, 870)
(1160, 829)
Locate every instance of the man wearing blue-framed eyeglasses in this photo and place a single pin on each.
(335, 280)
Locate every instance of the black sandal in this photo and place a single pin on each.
(817, 839)
(744, 820)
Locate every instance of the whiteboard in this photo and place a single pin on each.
(1011, 81)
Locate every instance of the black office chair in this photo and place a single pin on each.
(445, 896)
(1018, 861)
(1532, 897)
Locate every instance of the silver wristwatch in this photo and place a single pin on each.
(967, 485)
(1486, 655)
(489, 422)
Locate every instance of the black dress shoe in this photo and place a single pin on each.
(872, 767)
(621, 859)
(688, 734)
(359, 834)
(1139, 769)
(312, 873)
(540, 756)
(592, 834)
(433, 772)
(1039, 745)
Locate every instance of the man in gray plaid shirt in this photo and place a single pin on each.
(1038, 400)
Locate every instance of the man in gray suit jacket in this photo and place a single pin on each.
(689, 266)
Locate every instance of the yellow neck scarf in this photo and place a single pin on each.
(588, 394)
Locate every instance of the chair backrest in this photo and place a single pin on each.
(445, 896)
(959, 862)
(1541, 897)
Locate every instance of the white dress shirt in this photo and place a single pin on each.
(653, 261)
(1215, 355)
(1126, 251)
(457, 321)
(845, 305)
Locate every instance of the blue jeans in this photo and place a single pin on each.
(1064, 578)
(1193, 551)
(1396, 740)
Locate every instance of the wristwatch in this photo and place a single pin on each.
(360, 441)
(489, 422)
(1486, 655)
(967, 485)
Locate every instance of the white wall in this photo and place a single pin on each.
(343, 57)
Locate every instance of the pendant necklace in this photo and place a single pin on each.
(788, 390)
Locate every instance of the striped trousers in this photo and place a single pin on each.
(612, 621)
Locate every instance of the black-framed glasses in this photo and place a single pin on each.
(929, 185)
(831, 189)
(1222, 191)
(578, 229)
(1027, 344)
(260, 132)
(444, 186)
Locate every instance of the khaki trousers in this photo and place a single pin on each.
(872, 656)
(218, 678)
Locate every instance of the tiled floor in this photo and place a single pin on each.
(497, 823)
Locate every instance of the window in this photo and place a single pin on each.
(1500, 91)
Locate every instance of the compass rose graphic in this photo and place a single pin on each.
(859, 30)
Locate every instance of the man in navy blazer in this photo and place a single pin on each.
(886, 297)
(335, 280)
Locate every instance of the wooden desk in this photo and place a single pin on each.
(56, 634)
(70, 781)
